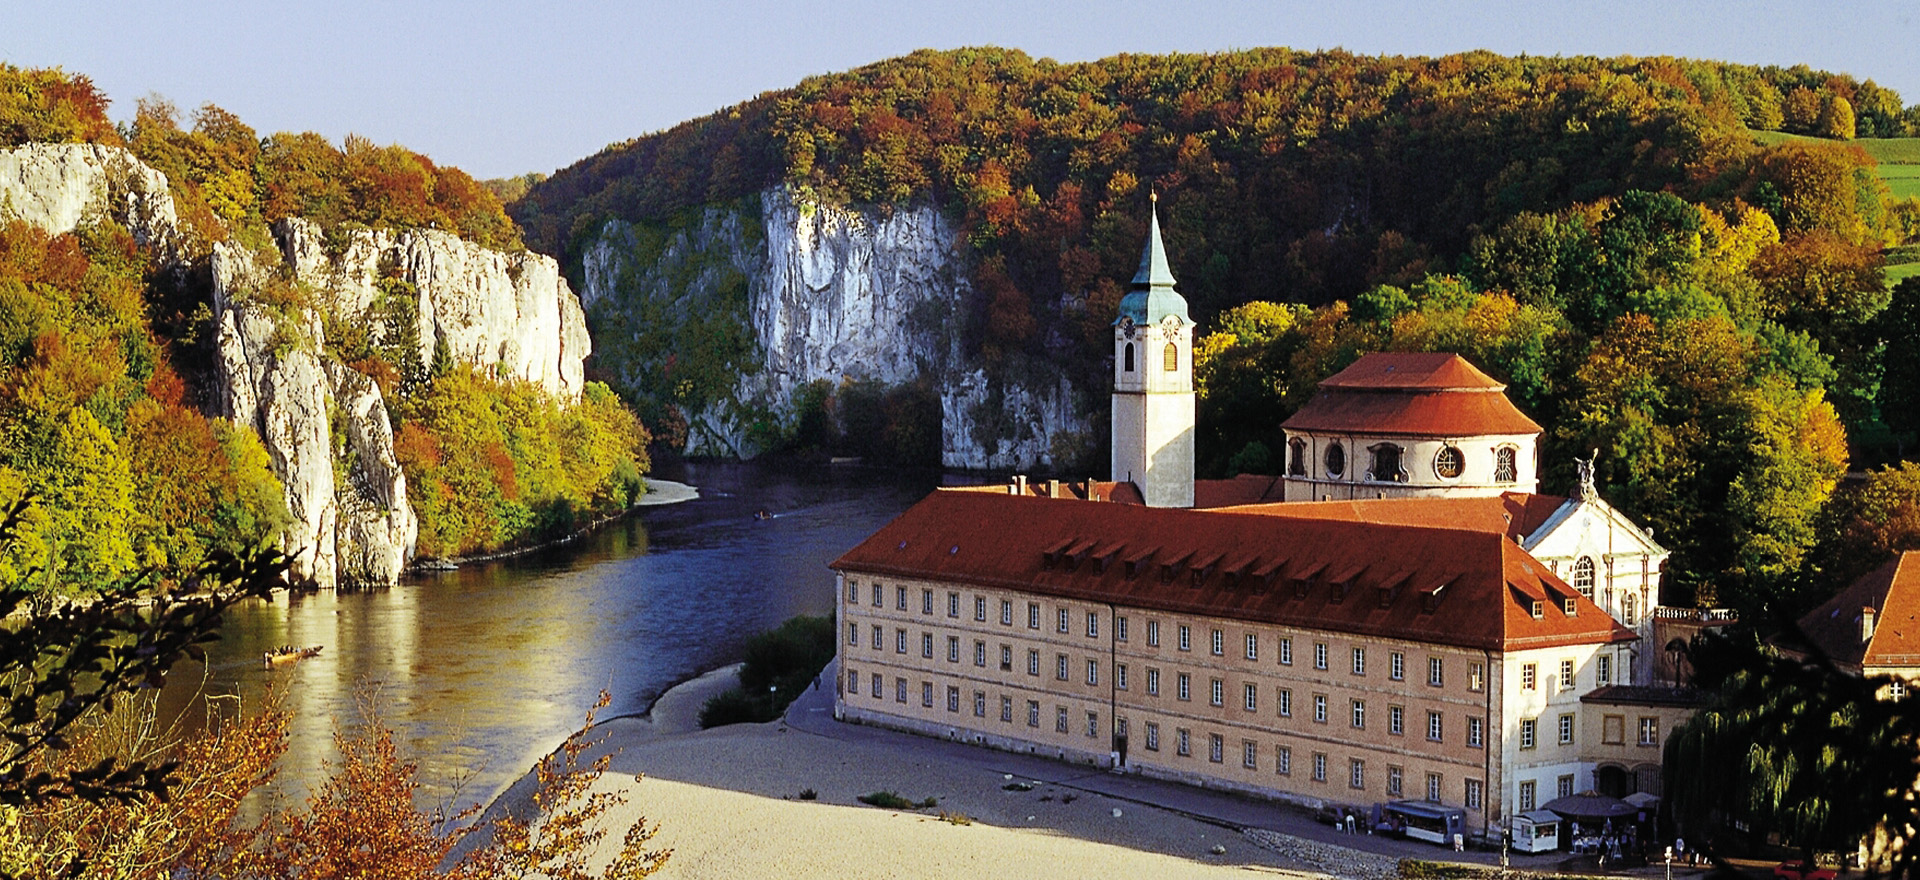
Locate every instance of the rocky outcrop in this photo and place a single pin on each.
(56, 186)
(831, 293)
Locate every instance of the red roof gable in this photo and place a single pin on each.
(1446, 586)
(1420, 394)
(1893, 592)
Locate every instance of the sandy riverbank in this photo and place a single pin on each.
(726, 801)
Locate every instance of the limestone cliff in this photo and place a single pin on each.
(829, 293)
(55, 186)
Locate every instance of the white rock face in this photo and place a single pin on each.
(55, 186)
(841, 294)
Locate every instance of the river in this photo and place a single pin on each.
(481, 671)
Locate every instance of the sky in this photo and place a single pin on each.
(503, 88)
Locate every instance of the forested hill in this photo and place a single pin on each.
(1290, 175)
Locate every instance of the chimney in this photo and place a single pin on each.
(1867, 616)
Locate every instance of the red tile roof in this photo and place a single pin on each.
(1514, 514)
(1893, 592)
(1447, 586)
(1419, 394)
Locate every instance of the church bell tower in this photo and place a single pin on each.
(1153, 382)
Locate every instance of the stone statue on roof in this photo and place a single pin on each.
(1584, 469)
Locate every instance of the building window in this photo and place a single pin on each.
(1433, 726)
(1356, 773)
(853, 592)
(1433, 787)
(1897, 690)
(1283, 760)
(1033, 662)
(1476, 731)
(979, 704)
(1436, 672)
(1319, 655)
(1473, 794)
(1153, 633)
(1613, 729)
(1320, 708)
(1033, 713)
(926, 645)
(1629, 609)
(1449, 462)
(1286, 703)
(1286, 652)
(1336, 460)
(853, 634)
(1120, 726)
(926, 601)
(1359, 713)
(1359, 661)
(980, 608)
(1476, 676)
(1153, 736)
(1297, 460)
(1603, 670)
(1065, 622)
(876, 685)
(1006, 658)
(1528, 798)
(1319, 767)
(980, 654)
(1119, 629)
(1170, 358)
(1060, 671)
(1093, 724)
(953, 649)
(1563, 787)
(1249, 754)
(1394, 783)
(1504, 468)
(1528, 675)
(953, 699)
(1649, 731)
(1397, 666)
(1127, 357)
(1153, 682)
(1386, 464)
(1583, 576)
(1093, 672)
(1566, 674)
(879, 636)
(1396, 720)
(1253, 646)
(900, 598)
(853, 682)
(878, 599)
(1252, 694)
(953, 604)
(1217, 692)
(1216, 748)
(1570, 607)
(1120, 676)
(1033, 615)
(1006, 709)
(1183, 687)
(1060, 719)
(1183, 745)
(1186, 637)
(1218, 644)
(1006, 613)
(1527, 730)
(1537, 609)
(899, 641)
(1093, 624)
(900, 690)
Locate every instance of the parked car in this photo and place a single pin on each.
(1796, 869)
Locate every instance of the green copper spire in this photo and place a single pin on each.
(1152, 296)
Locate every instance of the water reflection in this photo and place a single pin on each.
(482, 670)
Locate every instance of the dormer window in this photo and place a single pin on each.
(1336, 460)
(1172, 358)
(1570, 606)
(1449, 463)
(1297, 460)
(1538, 609)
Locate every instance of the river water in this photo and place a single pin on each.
(481, 671)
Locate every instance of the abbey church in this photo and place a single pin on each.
(1400, 617)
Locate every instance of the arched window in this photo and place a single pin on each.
(1297, 463)
(1583, 576)
(1336, 460)
(1504, 470)
(1629, 609)
(1173, 358)
(1450, 462)
(1386, 464)
(1129, 357)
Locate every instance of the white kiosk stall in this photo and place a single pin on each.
(1536, 831)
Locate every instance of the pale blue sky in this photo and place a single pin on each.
(504, 88)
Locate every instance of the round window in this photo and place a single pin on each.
(1336, 460)
(1449, 463)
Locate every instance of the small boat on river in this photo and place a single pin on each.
(288, 654)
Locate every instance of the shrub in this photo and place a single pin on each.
(891, 800)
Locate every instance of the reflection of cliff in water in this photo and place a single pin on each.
(481, 670)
